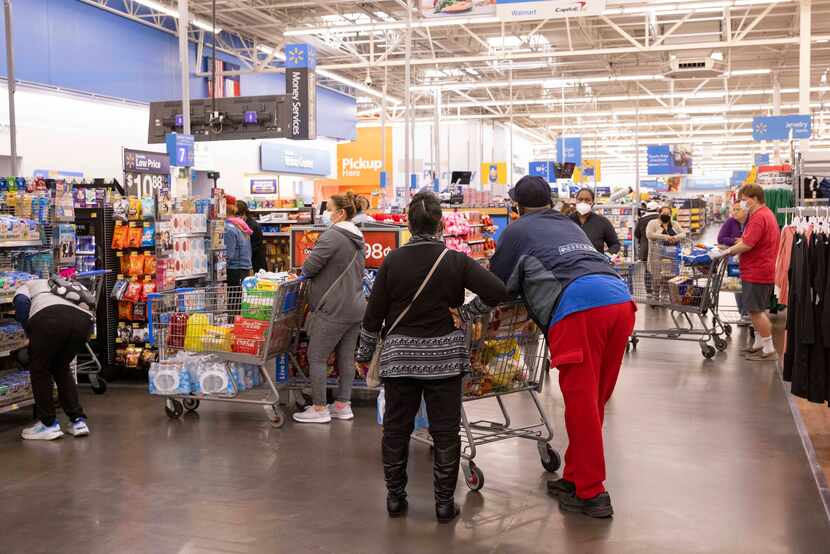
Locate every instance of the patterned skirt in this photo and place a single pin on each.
(425, 357)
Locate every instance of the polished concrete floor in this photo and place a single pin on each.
(703, 456)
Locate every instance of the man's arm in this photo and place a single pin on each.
(507, 254)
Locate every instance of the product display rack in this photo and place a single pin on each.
(276, 233)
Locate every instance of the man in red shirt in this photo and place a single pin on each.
(758, 248)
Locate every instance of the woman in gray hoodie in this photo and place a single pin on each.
(334, 269)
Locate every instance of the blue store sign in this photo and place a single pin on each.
(180, 149)
(665, 159)
(542, 169)
(569, 149)
(780, 127)
(287, 158)
(761, 159)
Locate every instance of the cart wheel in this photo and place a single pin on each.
(727, 329)
(707, 350)
(278, 417)
(99, 386)
(191, 404)
(551, 460)
(473, 476)
(720, 343)
(173, 408)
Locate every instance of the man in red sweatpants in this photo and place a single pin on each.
(573, 292)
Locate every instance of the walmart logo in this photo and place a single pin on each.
(761, 129)
(296, 56)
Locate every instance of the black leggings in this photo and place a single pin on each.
(56, 335)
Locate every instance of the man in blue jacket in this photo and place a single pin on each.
(588, 315)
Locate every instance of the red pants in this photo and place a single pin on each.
(588, 347)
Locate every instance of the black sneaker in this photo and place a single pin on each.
(558, 487)
(598, 506)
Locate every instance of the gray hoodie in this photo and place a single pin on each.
(331, 257)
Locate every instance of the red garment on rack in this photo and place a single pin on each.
(782, 264)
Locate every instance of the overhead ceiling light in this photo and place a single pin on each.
(170, 12)
(717, 56)
(741, 72)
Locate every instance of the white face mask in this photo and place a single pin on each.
(583, 208)
(325, 219)
(743, 204)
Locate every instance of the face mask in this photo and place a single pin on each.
(744, 205)
(326, 218)
(583, 208)
(665, 218)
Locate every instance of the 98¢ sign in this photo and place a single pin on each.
(378, 245)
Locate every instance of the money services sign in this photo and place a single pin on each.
(301, 91)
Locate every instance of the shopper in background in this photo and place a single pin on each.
(334, 268)
(257, 242)
(361, 217)
(662, 234)
(651, 213)
(758, 247)
(424, 355)
(57, 331)
(730, 232)
(237, 246)
(586, 311)
(599, 230)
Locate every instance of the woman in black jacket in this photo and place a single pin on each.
(425, 355)
(257, 242)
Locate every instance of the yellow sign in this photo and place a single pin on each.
(494, 173)
(359, 163)
(596, 165)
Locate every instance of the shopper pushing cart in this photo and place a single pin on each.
(574, 294)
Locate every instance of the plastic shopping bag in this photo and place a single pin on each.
(421, 421)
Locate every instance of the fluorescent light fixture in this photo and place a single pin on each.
(717, 56)
(171, 12)
(335, 77)
(742, 72)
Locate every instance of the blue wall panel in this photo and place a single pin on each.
(66, 43)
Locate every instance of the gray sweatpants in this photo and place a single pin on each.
(327, 337)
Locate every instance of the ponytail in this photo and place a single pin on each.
(346, 202)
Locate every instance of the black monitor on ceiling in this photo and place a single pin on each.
(461, 177)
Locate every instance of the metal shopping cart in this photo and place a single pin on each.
(211, 339)
(508, 355)
(687, 285)
(87, 363)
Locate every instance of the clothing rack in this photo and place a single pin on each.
(809, 164)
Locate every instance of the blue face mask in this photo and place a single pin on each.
(326, 218)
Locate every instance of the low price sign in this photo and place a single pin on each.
(145, 172)
(379, 243)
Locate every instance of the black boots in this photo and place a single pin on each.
(395, 454)
(446, 460)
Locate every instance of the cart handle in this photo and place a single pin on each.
(93, 273)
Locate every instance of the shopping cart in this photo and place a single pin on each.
(216, 341)
(87, 363)
(687, 285)
(508, 355)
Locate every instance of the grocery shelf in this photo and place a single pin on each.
(276, 234)
(20, 243)
(17, 405)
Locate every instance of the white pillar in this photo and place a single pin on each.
(804, 65)
(12, 84)
(184, 62)
(408, 95)
(776, 110)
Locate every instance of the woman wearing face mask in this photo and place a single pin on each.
(729, 234)
(334, 269)
(599, 230)
(661, 232)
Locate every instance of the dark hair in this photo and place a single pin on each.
(346, 202)
(753, 191)
(424, 214)
(242, 208)
(362, 204)
(589, 191)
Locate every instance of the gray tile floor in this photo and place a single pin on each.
(703, 456)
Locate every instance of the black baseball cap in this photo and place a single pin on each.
(531, 192)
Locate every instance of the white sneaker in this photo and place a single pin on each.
(311, 415)
(344, 413)
(78, 428)
(40, 432)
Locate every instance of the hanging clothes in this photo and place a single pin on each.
(776, 198)
(782, 264)
(807, 356)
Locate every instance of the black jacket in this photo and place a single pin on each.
(640, 235)
(600, 232)
(402, 273)
(257, 245)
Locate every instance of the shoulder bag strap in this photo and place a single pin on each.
(331, 288)
(418, 292)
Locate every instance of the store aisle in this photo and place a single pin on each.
(703, 457)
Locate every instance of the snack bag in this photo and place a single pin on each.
(216, 339)
(140, 311)
(176, 330)
(133, 292)
(135, 264)
(503, 361)
(149, 264)
(147, 289)
(196, 327)
(119, 288)
(148, 207)
(135, 236)
(120, 237)
(125, 264)
(148, 235)
(125, 310)
(121, 209)
(134, 209)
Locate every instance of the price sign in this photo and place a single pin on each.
(145, 172)
(143, 184)
(378, 245)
